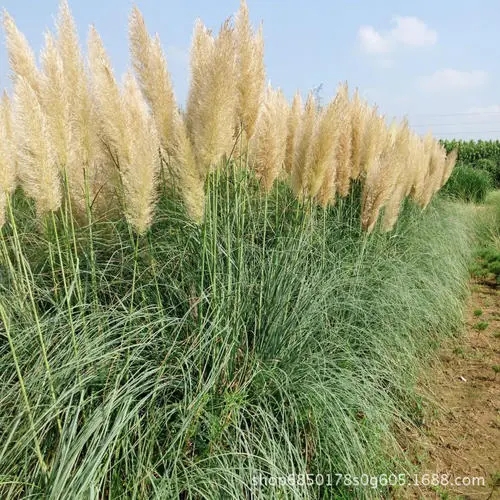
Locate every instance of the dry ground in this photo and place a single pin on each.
(460, 435)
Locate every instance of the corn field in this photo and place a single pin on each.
(72, 135)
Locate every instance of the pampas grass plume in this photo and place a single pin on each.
(21, 58)
(7, 156)
(212, 100)
(38, 170)
(268, 149)
(141, 166)
(303, 147)
(251, 74)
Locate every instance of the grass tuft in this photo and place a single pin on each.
(191, 360)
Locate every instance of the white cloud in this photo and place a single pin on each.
(412, 32)
(408, 31)
(373, 42)
(451, 79)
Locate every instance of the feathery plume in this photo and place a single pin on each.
(358, 123)
(373, 140)
(90, 173)
(7, 156)
(191, 180)
(141, 163)
(38, 171)
(212, 96)
(250, 71)
(435, 172)
(54, 99)
(129, 133)
(421, 185)
(381, 178)
(21, 58)
(303, 146)
(268, 149)
(401, 177)
(422, 158)
(152, 73)
(293, 122)
(344, 143)
(108, 100)
(322, 162)
(151, 69)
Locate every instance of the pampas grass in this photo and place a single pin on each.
(151, 69)
(268, 150)
(302, 150)
(344, 144)
(21, 58)
(8, 176)
(358, 129)
(90, 172)
(293, 122)
(212, 96)
(250, 71)
(140, 170)
(159, 344)
(84, 117)
(54, 99)
(321, 164)
(38, 172)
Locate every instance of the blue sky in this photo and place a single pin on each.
(436, 62)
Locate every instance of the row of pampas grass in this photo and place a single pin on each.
(71, 134)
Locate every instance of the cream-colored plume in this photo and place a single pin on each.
(7, 156)
(382, 176)
(191, 180)
(293, 123)
(151, 69)
(303, 147)
(109, 106)
(128, 132)
(373, 140)
(152, 72)
(37, 165)
(90, 173)
(321, 164)
(250, 69)
(344, 143)
(211, 107)
(451, 161)
(140, 159)
(358, 128)
(54, 100)
(401, 176)
(21, 58)
(268, 149)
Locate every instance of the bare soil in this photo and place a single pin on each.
(460, 433)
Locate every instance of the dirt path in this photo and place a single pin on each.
(460, 435)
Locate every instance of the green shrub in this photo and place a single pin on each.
(490, 166)
(483, 155)
(468, 184)
(487, 255)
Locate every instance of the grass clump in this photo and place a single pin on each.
(469, 184)
(183, 363)
(486, 265)
(481, 326)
